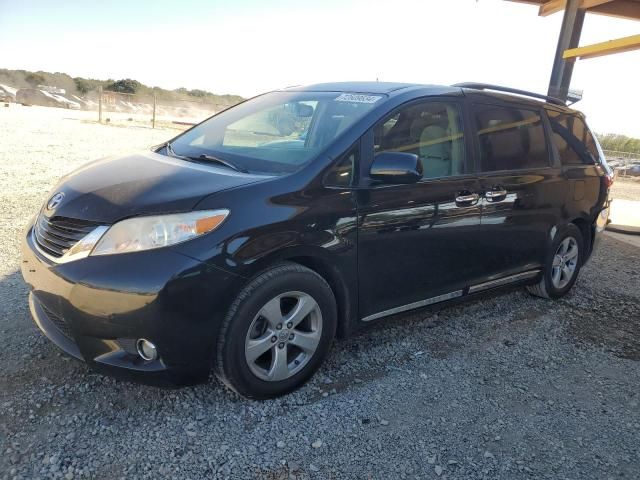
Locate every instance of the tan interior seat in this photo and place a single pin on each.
(435, 152)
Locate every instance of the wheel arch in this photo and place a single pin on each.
(331, 274)
(587, 230)
(321, 262)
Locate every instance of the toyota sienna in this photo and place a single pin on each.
(247, 243)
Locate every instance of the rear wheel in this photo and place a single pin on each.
(562, 265)
(277, 332)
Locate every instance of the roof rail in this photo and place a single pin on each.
(497, 88)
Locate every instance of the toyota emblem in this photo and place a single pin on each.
(55, 201)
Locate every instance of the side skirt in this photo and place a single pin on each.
(455, 294)
(503, 281)
(414, 305)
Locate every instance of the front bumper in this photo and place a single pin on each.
(97, 307)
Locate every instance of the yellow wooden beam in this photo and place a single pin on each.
(587, 4)
(618, 8)
(614, 8)
(554, 6)
(604, 48)
(528, 2)
(551, 7)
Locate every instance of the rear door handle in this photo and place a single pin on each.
(467, 199)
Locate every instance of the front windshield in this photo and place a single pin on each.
(275, 133)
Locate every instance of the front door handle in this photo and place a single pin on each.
(466, 199)
(495, 195)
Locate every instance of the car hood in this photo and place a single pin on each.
(144, 183)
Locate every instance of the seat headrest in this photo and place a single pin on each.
(433, 132)
(417, 127)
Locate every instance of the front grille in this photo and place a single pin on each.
(56, 235)
(58, 321)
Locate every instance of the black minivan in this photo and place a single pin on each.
(248, 242)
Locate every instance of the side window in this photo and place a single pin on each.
(573, 139)
(510, 138)
(432, 131)
(342, 173)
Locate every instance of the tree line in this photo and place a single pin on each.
(619, 143)
(87, 86)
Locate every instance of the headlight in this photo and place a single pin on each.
(145, 233)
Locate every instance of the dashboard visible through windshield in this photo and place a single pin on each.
(275, 133)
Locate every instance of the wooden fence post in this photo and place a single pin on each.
(100, 104)
(153, 120)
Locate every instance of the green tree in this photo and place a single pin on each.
(619, 143)
(34, 79)
(82, 86)
(126, 85)
(198, 93)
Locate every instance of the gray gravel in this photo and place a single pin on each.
(508, 387)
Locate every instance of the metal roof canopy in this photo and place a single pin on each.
(629, 9)
(568, 51)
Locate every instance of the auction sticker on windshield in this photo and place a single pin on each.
(355, 98)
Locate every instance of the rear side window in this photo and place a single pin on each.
(574, 141)
(510, 138)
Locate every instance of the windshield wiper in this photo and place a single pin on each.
(210, 158)
(167, 146)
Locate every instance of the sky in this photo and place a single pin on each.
(248, 47)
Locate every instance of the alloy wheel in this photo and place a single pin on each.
(283, 336)
(565, 262)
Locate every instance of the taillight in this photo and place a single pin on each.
(608, 180)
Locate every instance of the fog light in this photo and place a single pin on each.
(146, 349)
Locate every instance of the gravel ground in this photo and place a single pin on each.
(508, 387)
(626, 188)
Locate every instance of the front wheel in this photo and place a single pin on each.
(562, 265)
(277, 332)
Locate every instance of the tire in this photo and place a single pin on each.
(284, 292)
(549, 286)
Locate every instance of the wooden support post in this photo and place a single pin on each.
(155, 102)
(569, 38)
(100, 104)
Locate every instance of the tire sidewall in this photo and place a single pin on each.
(566, 231)
(234, 362)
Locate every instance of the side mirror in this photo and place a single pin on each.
(396, 167)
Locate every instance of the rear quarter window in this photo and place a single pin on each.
(576, 145)
(510, 138)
